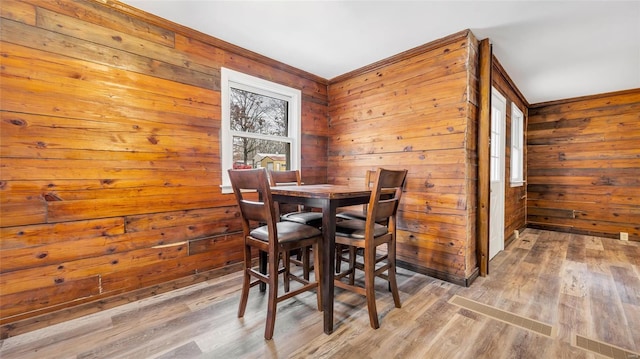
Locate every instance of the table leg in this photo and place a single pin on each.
(328, 262)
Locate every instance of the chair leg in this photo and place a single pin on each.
(391, 273)
(246, 282)
(369, 279)
(352, 264)
(273, 297)
(317, 268)
(305, 262)
(339, 249)
(263, 268)
(287, 268)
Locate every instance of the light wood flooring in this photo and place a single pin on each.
(582, 287)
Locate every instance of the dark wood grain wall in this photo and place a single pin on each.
(515, 197)
(584, 165)
(110, 160)
(416, 110)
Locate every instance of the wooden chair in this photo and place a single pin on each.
(353, 212)
(361, 211)
(274, 237)
(369, 235)
(295, 213)
(289, 212)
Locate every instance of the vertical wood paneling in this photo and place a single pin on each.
(584, 165)
(483, 144)
(472, 259)
(110, 153)
(414, 111)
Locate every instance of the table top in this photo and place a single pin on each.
(324, 191)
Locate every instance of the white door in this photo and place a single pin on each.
(496, 200)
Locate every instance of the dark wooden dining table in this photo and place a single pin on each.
(328, 198)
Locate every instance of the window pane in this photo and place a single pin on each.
(256, 113)
(495, 169)
(517, 146)
(257, 153)
(516, 168)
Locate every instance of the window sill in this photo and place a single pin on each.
(517, 184)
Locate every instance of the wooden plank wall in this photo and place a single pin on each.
(584, 165)
(110, 159)
(416, 111)
(515, 214)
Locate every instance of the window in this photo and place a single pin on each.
(517, 146)
(498, 113)
(260, 124)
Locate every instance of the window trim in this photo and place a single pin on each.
(230, 78)
(517, 138)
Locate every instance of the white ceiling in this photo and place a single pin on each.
(551, 49)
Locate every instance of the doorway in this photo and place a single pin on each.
(496, 170)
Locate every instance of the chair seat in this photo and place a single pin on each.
(287, 232)
(352, 215)
(311, 218)
(355, 228)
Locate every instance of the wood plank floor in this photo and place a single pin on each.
(578, 285)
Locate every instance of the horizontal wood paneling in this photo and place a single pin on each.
(412, 111)
(110, 153)
(584, 165)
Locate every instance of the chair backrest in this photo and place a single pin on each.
(284, 178)
(369, 178)
(254, 208)
(383, 206)
(279, 178)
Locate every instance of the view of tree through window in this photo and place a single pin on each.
(258, 121)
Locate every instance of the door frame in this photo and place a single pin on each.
(496, 216)
(484, 119)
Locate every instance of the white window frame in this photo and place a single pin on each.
(517, 147)
(234, 79)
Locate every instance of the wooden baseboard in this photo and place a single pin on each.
(512, 237)
(567, 229)
(465, 282)
(26, 325)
